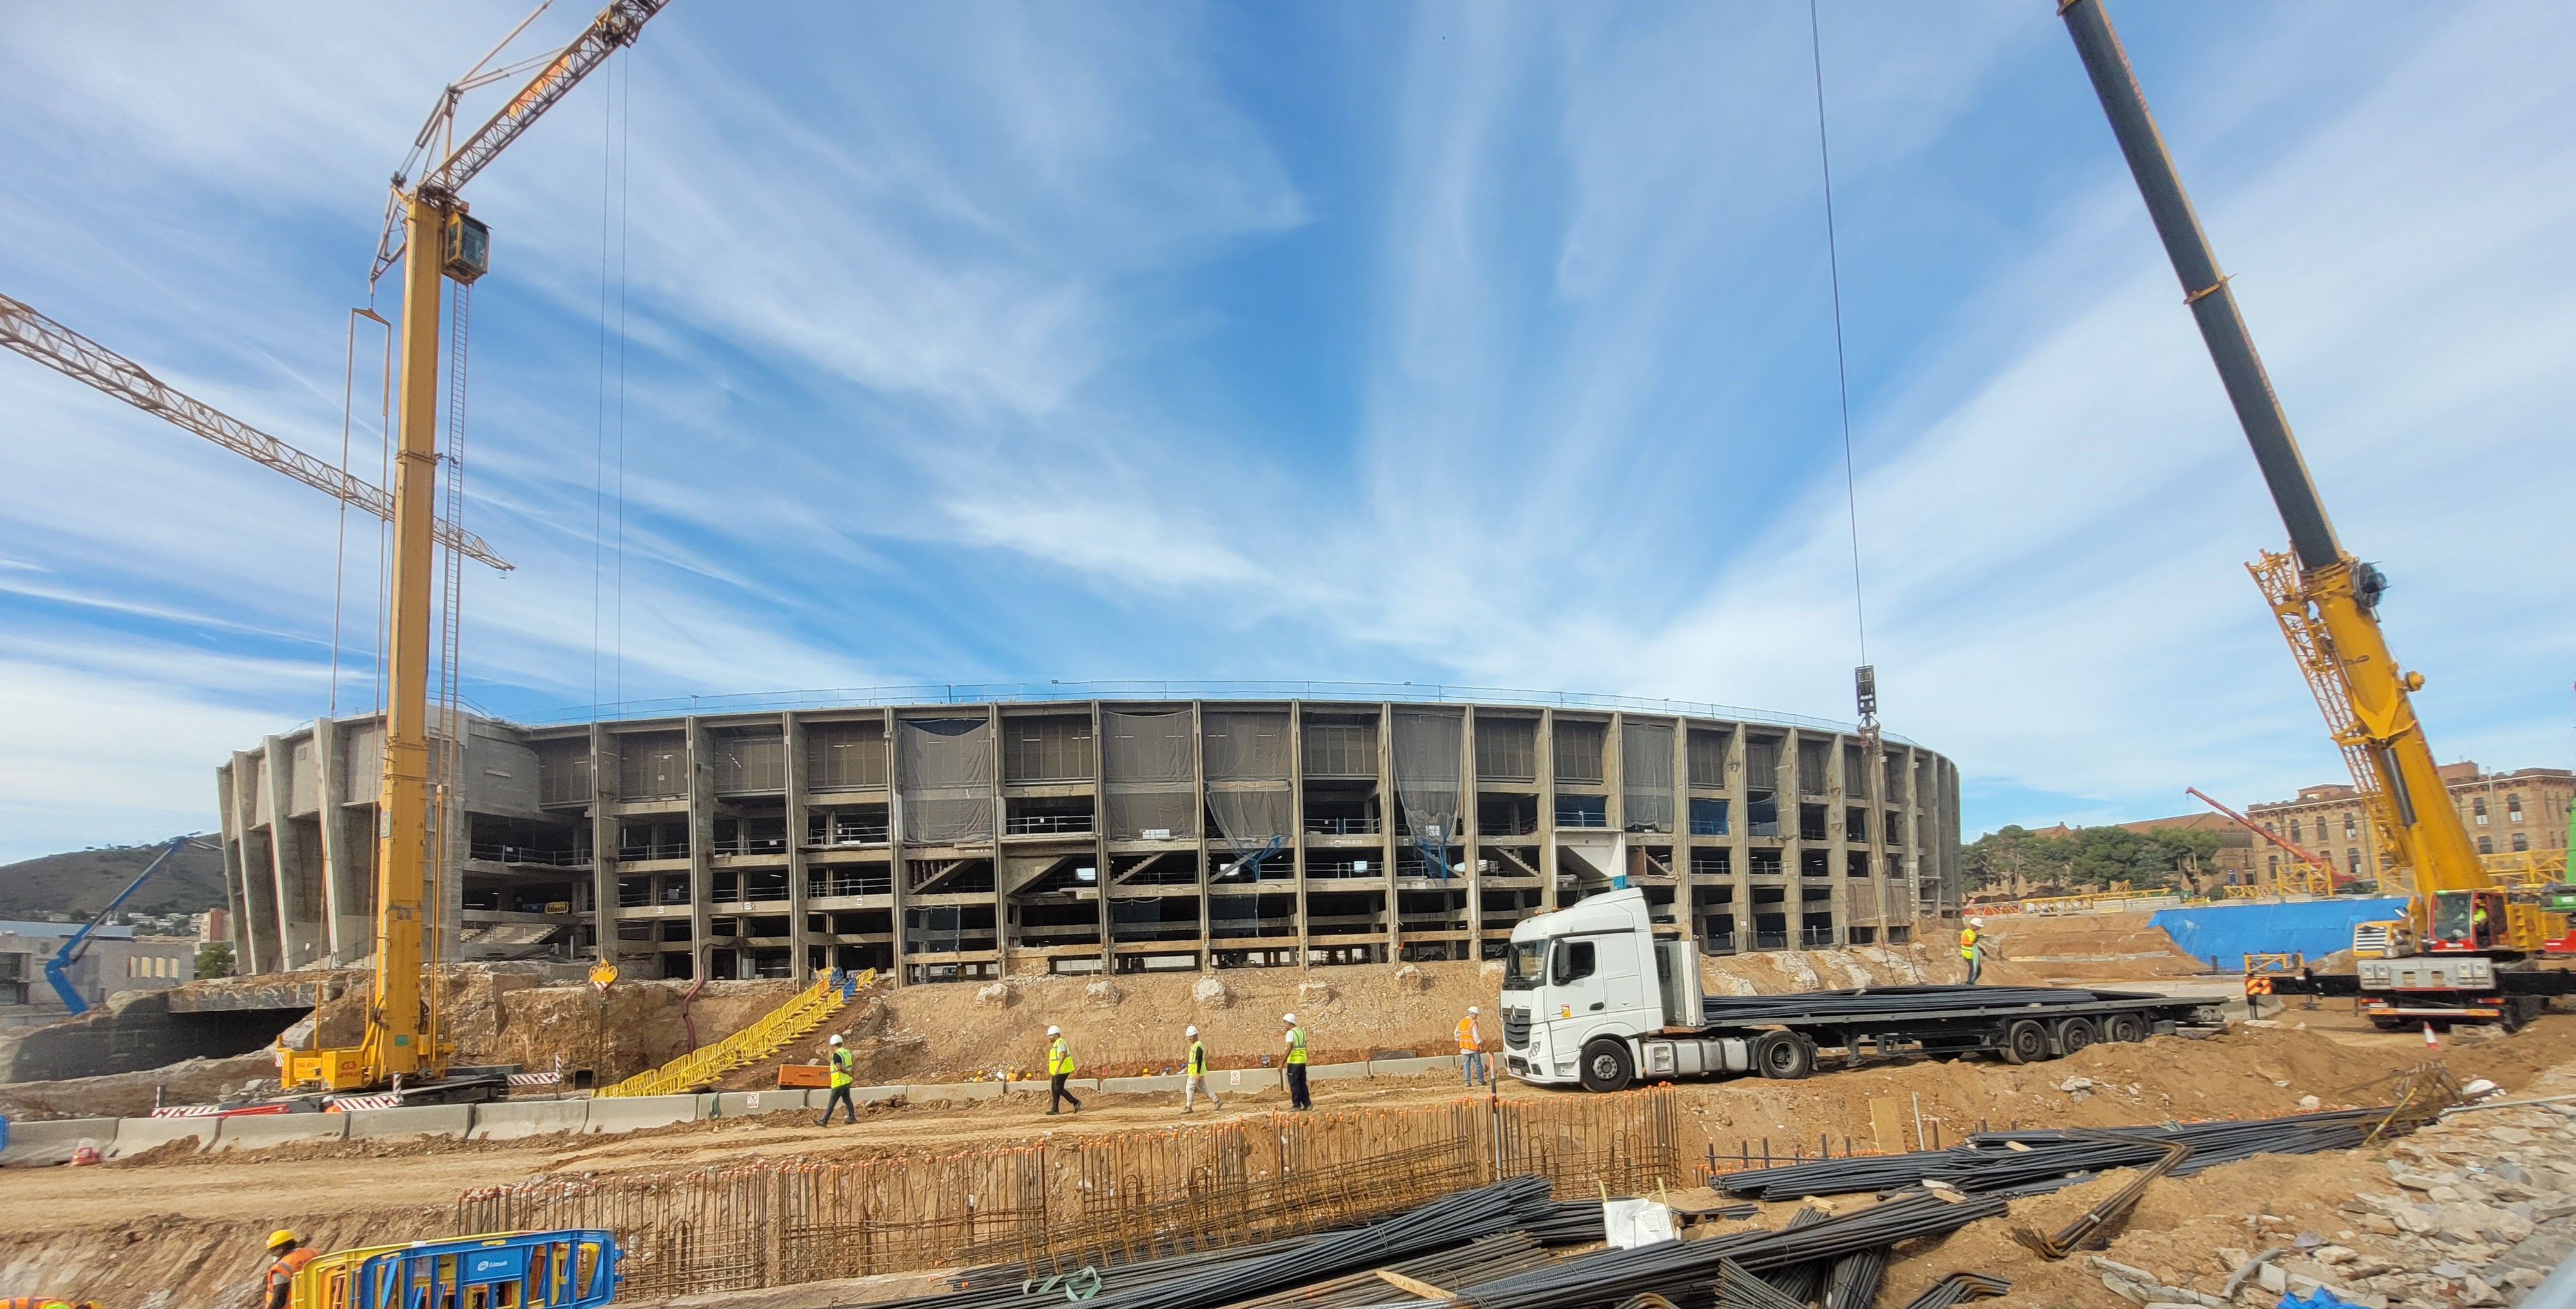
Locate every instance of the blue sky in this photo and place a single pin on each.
(1476, 344)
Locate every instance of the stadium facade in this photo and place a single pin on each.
(952, 833)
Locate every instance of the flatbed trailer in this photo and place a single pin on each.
(1592, 995)
(1782, 1035)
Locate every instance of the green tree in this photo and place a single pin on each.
(214, 959)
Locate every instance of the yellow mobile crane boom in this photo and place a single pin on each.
(439, 240)
(2326, 602)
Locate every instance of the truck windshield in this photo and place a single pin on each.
(1521, 967)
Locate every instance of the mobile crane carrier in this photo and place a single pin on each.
(2474, 946)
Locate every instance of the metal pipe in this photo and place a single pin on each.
(2205, 289)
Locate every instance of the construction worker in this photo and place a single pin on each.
(287, 1257)
(2478, 925)
(1296, 1064)
(842, 1062)
(46, 1302)
(1059, 1067)
(1195, 1071)
(1471, 1051)
(1972, 948)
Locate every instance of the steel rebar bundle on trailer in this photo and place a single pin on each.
(1896, 1001)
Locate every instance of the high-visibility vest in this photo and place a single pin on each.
(1296, 1045)
(1059, 1059)
(1198, 1059)
(282, 1273)
(1967, 943)
(842, 1060)
(1467, 1039)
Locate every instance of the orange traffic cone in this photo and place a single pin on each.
(2429, 1042)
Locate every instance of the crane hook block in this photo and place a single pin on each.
(469, 247)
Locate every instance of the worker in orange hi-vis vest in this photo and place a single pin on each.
(290, 1256)
(1471, 1051)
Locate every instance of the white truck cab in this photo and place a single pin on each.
(1591, 995)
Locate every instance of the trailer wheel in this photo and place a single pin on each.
(1606, 1066)
(2520, 1010)
(2073, 1034)
(2025, 1042)
(2125, 1028)
(1784, 1055)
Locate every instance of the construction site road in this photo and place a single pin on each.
(2260, 1069)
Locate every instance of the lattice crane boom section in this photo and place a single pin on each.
(47, 342)
(615, 26)
(2312, 648)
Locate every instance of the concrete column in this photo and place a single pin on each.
(259, 870)
(1002, 937)
(236, 880)
(345, 921)
(1297, 823)
(896, 821)
(1546, 771)
(1198, 777)
(1614, 782)
(1469, 832)
(1100, 836)
(791, 733)
(698, 752)
(1389, 837)
(603, 847)
(298, 918)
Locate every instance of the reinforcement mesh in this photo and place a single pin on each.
(1428, 744)
(1149, 771)
(1646, 776)
(946, 780)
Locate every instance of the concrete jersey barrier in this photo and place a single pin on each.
(52, 1141)
(505, 1120)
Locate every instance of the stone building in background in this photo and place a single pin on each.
(2521, 812)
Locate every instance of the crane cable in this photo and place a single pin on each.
(607, 540)
(1842, 375)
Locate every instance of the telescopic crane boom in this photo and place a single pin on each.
(2325, 600)
(438, 241)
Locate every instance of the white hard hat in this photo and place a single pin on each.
(1290, 1019)
(1474, 1010)
(1054, 1030)
(1976, 922)
(1193, 1030)
(836, 1040)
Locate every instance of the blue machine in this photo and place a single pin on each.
(59, 968)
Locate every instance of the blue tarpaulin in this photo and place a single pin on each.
(2315, 928)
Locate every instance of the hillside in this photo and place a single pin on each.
(81, 881)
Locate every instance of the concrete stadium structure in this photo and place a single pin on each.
(949, 833)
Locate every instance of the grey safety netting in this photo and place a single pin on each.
(1646, 776)
(1150, 774)
(1247, 756)
(946, 779)
(1428, 745)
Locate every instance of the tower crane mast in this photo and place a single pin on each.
(438, 240)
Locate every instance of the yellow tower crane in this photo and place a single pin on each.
(437, 240)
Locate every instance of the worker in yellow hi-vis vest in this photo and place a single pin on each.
(843, 1062)
(1471, 1051)
(1059, 1067)
(1972, 948)
(1195, 1072)
(1296, 1069)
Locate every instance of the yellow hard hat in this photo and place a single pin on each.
(280, 1237)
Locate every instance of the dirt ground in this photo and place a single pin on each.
(2075, 949)
(190, 1223)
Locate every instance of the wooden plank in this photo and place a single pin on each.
(1886, 1125)
(1411, 1286)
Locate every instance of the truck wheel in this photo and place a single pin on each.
(1784, 1055)
(2073, 1034)
(2025, 1042)
(2127, 1028)
(1606, 1066)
